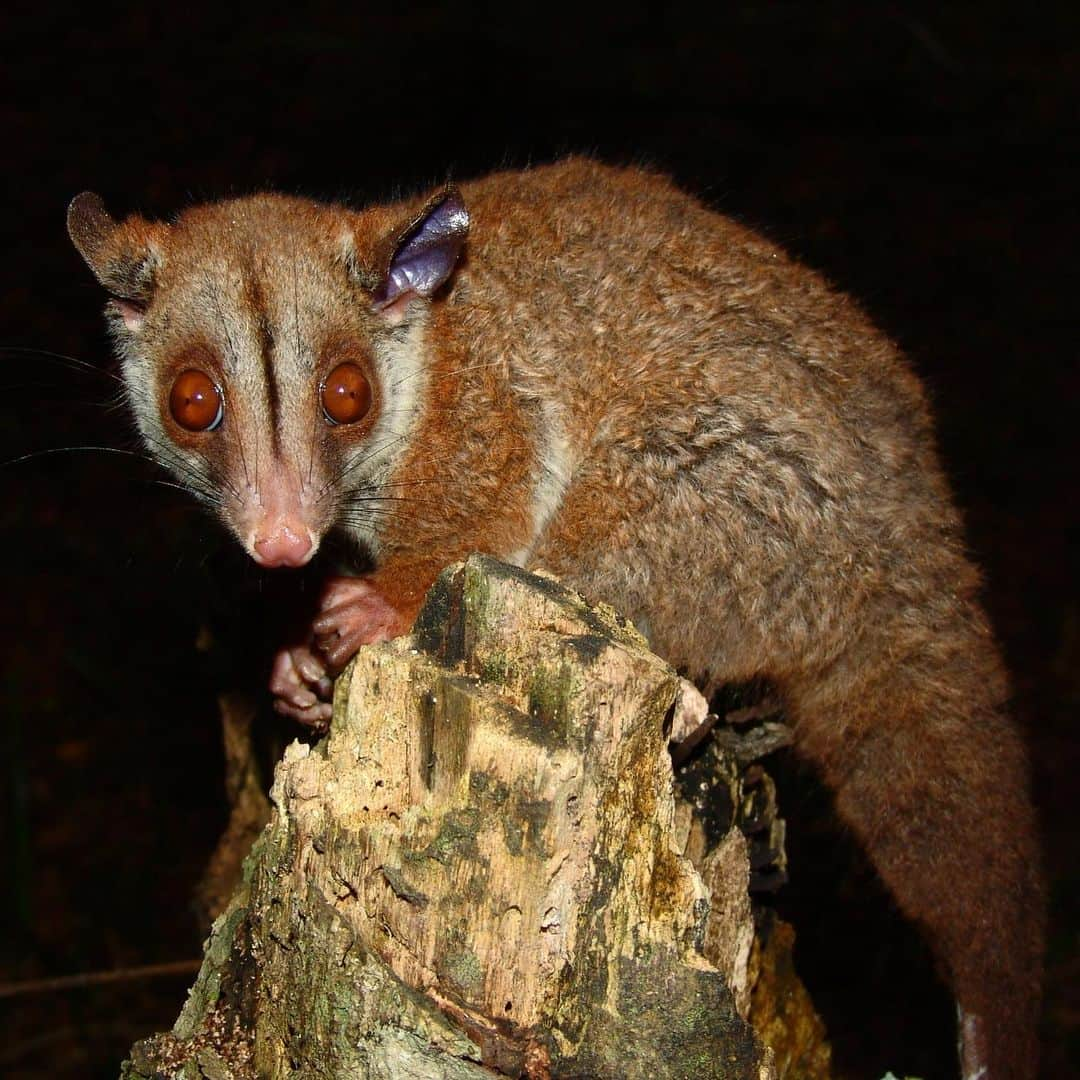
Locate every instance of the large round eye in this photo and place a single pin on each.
(346, 394)
(195, 401)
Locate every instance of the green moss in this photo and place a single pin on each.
(588, 647)
(456, 836)
(483, 787)
(513, 835)
(523, 825)
(550, 696)
(463, 972)
(681, 1019)
(222, 946)
(476, 611)
(496, 669)
(438, 617)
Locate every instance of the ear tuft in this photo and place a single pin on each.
(125, 256)
(426, 250)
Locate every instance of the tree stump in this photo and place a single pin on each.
(481, 871)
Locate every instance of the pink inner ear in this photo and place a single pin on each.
(426, 258)
(394, 310)
(131, 313)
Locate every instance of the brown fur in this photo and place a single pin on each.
(752, 477)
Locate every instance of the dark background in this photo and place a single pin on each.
(925, 159)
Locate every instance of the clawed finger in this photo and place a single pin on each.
(340, 647)
(330, 620)
(315, 716)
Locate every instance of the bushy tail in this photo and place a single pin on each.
(932, 777)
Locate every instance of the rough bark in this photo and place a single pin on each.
(481, 871)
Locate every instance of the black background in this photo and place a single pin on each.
(926, 159)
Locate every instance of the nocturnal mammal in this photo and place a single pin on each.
(582, 368)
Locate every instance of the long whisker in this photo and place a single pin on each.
(177, 487)
(198, 481)
(422, 512)
(333, 481)
(53, 450)
(353, 465)
(445, 374)
(366, 517)
(29, 384)
(70, 361)
(200, 477)
(372, 496)
(418, 481)
(199, 485)
(391, 484)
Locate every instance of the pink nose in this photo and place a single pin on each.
(282, 543)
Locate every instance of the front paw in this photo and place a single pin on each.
(353, 613)
(302, 687)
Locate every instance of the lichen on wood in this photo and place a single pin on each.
(480, 871)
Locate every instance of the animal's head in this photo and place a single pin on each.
(273, 350)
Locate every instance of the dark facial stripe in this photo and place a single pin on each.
(257, 302)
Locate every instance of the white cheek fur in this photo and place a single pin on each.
(402, 370)
(139, 383)
(141, 389)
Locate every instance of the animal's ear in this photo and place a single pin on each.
(418, 256)
(124, 256)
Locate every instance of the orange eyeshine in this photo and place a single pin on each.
(346, 394)
(195, 401)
